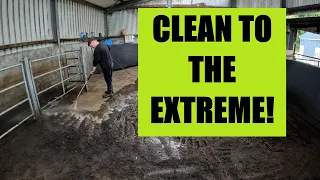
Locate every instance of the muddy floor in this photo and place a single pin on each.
(78, 145)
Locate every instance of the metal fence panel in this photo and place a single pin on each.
(30, 79)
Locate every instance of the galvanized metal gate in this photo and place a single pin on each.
(78, 75)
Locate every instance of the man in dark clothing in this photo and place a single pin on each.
(102, 56)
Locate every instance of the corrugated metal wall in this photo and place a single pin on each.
(24, 21)
(126, 19)
(76, 18)
(295, 3)
(32, 20)
(258, 3)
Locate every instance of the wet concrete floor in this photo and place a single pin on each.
(103, 144)
(92, 101)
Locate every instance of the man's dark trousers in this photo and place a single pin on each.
(107, 72)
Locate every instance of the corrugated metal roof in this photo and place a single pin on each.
(103, 3)
(224, 3)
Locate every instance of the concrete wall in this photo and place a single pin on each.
(303, 87)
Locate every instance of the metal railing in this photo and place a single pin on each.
(307, 59)
(30, 84)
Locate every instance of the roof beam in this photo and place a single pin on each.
(124, 5)
(304, 22)
(312, 7)
(89, 4)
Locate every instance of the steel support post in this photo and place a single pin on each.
(233, 3)
(56, 25)
(169, 3)
(79, 68)
(291, 38)
(26, 87)
(30, 86)
(83, 65)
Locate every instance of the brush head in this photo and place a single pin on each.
(75, 105)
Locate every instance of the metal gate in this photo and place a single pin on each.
(77, 76)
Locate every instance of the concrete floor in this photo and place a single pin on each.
(73, 144)
(92, 99)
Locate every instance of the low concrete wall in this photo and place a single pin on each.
(303, 87)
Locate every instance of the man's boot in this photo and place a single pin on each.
(107, 94)
(110, 90)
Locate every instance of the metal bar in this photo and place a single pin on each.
(14, 127)
(8, 46)
(8, 88)
(84, 73)
(31, 86)
(72, 76)
(26, 87)
(57, 84)
(70, 65)
(73, 51)
(14, 106)
(36, 60)
(306, 60)
(71, 58)
(46, 73)
(124, 5)
(78, 67)
(10, 67)
(53, 71)
(135, 35)
(61, 76)
(306, 56)
(70, 53)
(49, 103)
(49, 88)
